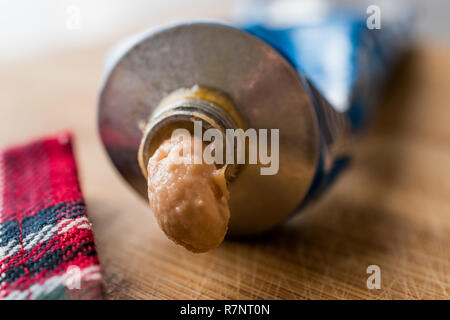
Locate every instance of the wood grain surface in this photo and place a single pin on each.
(391, 209)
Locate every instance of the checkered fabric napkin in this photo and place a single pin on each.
(47, 246)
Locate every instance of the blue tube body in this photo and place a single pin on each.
(341, 58)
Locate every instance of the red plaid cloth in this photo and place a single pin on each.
(46, 243)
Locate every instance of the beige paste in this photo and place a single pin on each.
(190, 201)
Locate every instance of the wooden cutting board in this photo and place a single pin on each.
(391, 209)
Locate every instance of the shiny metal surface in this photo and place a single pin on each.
(182, 111)
(267, 91)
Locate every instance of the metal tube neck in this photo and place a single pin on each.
(185, 110)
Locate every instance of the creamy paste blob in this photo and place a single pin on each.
(190, 201)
